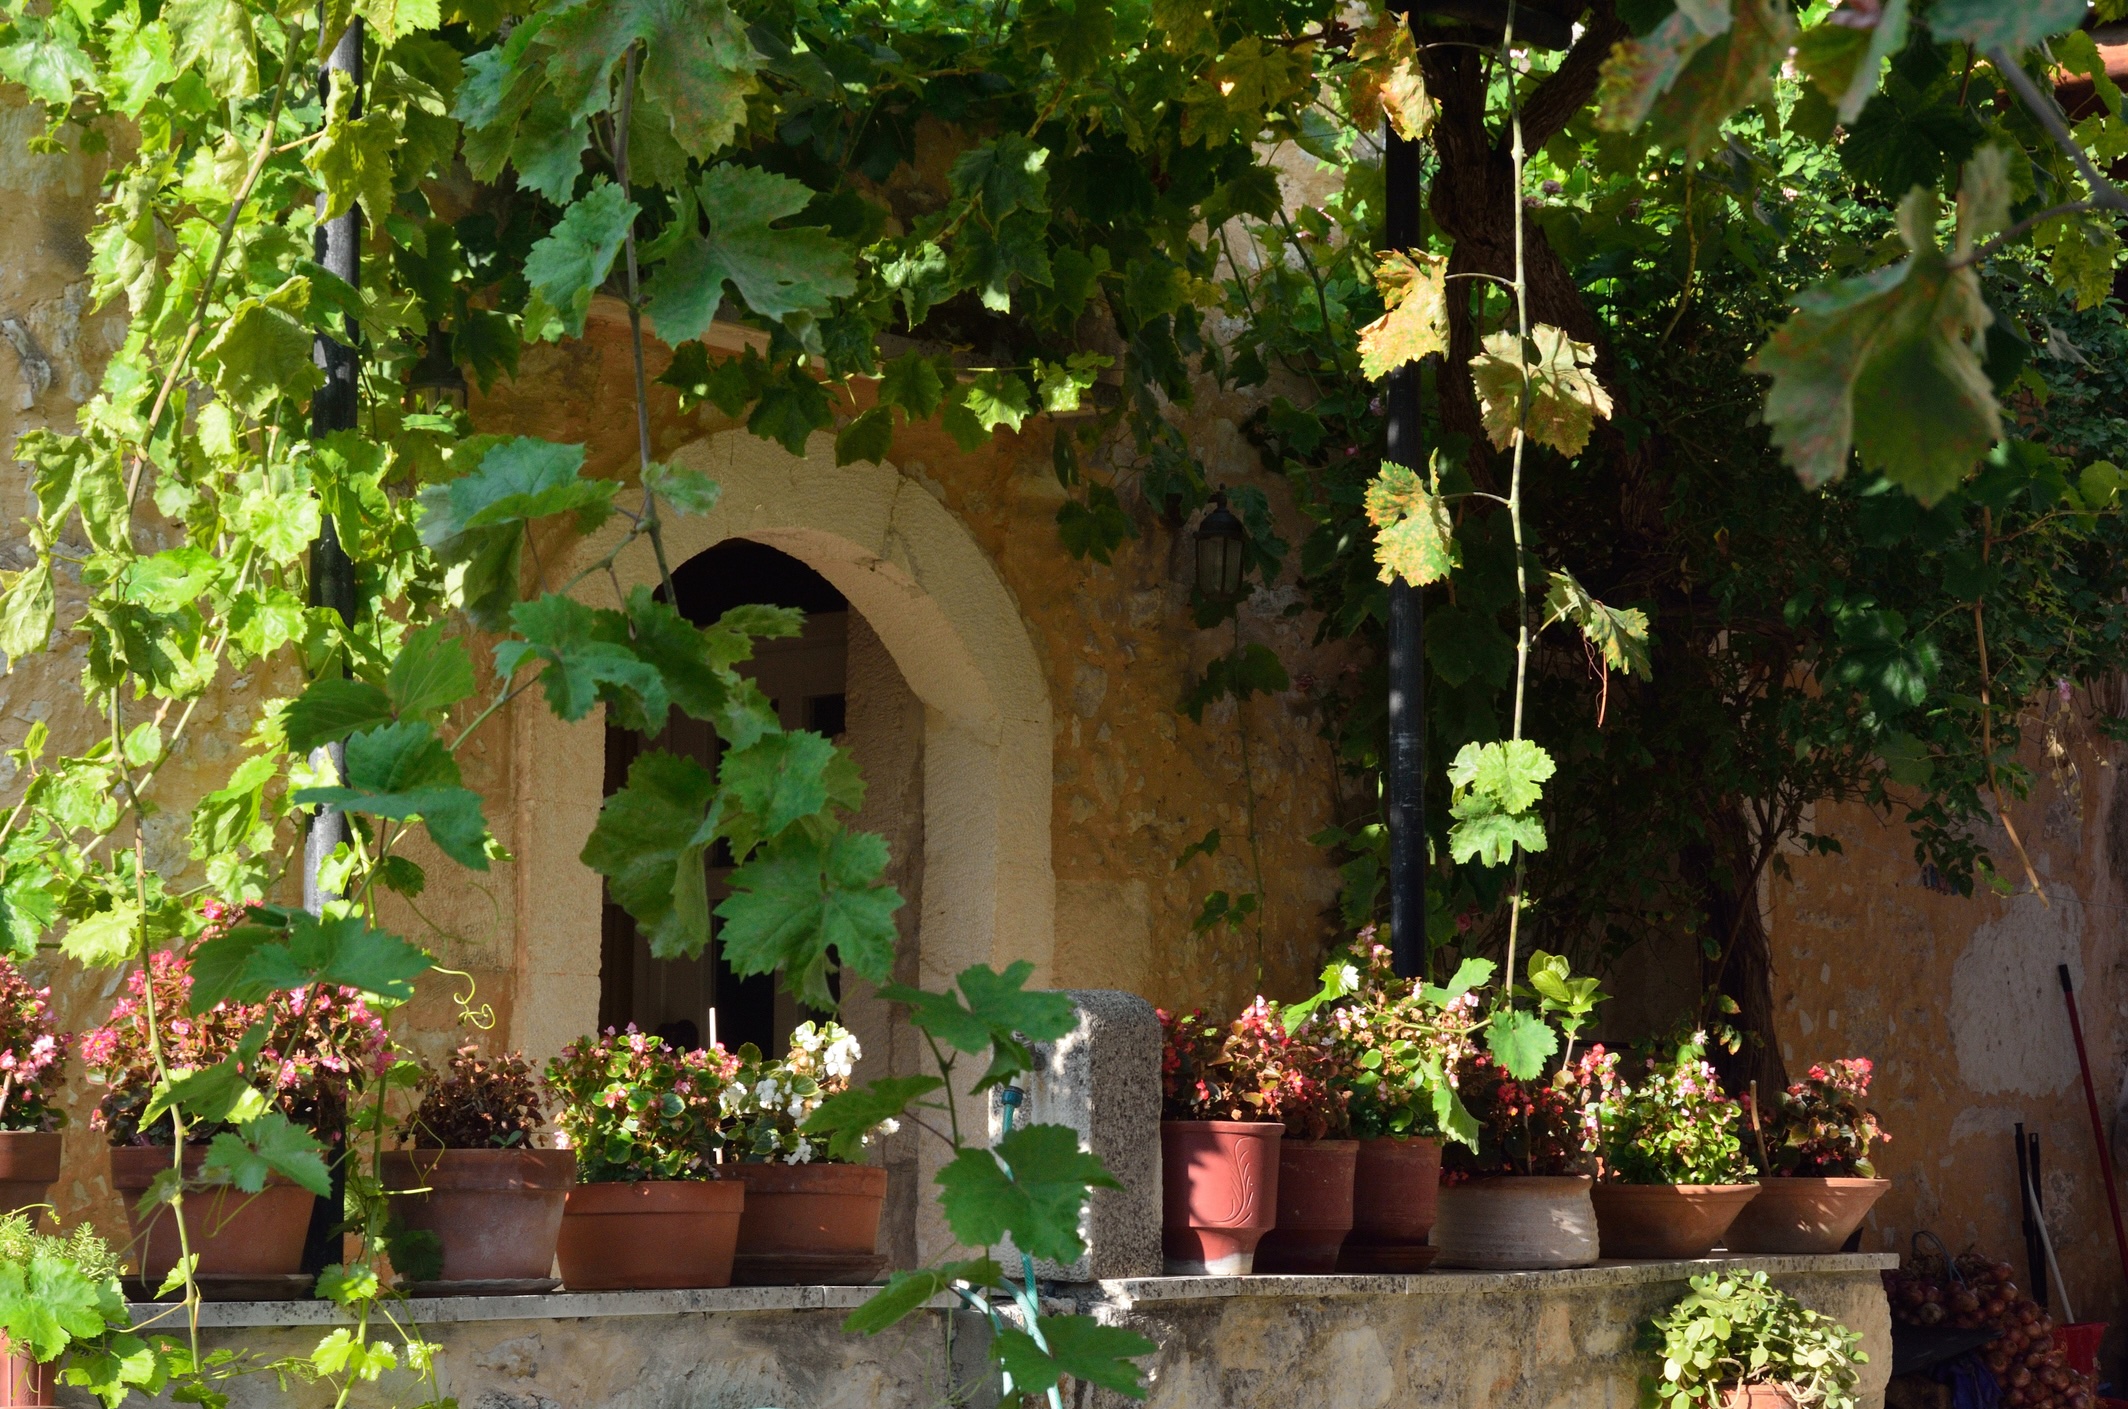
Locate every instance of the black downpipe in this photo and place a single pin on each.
(1405, 784)
(337, 247)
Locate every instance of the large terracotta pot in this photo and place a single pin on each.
(1803, 1215)
(1512, 1222)
(1218, 1194)
(24, 1384)
(1667, 1220)
(29, 1165)
(808, 1224)
(654, 1234)
(234, 1234)
(496, 1213)
(1314, 1206)
(1395, 1190)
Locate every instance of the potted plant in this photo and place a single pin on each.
(812, 1216)
(475, 1182)
(1317, 1158)
(61, 1305)
(1222, 1088)
(32, 1070)
(649, 1208)
(1817, 1182)
(1674, 1176)
(1738, 1342)
(1518, 1198)
(1396, 1046)
(316, 1042)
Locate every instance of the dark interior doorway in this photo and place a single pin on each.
(691, 1002)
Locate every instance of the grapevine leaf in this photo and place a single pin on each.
(105, 937)
(332, 708)
(772, 783)
(47, 1303)
(1414, 323)
(1844, 55)
(912, 382)
(354, 158)
(403, 771)
(46, 57)
(267, 1145)
(1887, 364)
(848, 1117)
(1029, 1187)
(1620, 634)
(253, 961)
(1415, 540)
(1708, 60)
(698, 65)
(28, 611)
(2013, 25)
(570, 261)
(906, 1291)
(1520, 1042)
(999, 1010)
(689, 491)
(588, 659)
(649, 843)
(1079, 1346)
(431, 672)
(2085, 251)
(997, 399)
(518, 479)
(777, 272)
(216, 36)
(1493, 788)
(1387, 79)
(799, 897)
(391, 19)
(869, 437)
(1564, 396)
(260, 354)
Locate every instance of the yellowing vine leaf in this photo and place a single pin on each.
(1620, 633)
(354, 158)
(1386, 79)
(1415, 540)
(1888, 365)
(1564, 396)
(1414, 323)
(2085, 252)
(1708, 60)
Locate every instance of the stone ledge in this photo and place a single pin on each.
(551, 1306)
(1143, 1291)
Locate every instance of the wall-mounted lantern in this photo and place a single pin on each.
(1222, 543)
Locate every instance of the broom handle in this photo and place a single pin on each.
(2098, 1126)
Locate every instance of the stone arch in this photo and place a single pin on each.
(937, 604)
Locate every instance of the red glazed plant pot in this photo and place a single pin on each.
(1667, 1220)
(1218, 1194)
(497, 1214)
(234, 1234)
(659, 1233)
(1314, 1206)
(1804, 1215)
(24, 1384)
(29, 1165)
(808, 1224)
(1396, 1187)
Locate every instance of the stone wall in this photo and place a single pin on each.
(1534, 1340)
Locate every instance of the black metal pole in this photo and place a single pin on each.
(1405, 785)
(337, 247)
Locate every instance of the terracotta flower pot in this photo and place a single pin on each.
(24, 1384)
(497, 1213)
(1395, 1190)
(29, 1165)
(235, 1234)
(1804, 1215)
(1761, 1396)
(1218, 1193)
(655, 1234)
(1314, 1206)
(1667, 1220)
(808, 1224)
(1516, 1222)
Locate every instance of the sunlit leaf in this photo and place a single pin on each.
(1414, 324)
(1564, 397)
(1415, 540)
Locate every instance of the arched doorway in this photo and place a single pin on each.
(978, 794)
(835, 679)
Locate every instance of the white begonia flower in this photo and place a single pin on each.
(889, 1126)
(768, 1092)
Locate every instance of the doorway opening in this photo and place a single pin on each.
(694, 1002)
